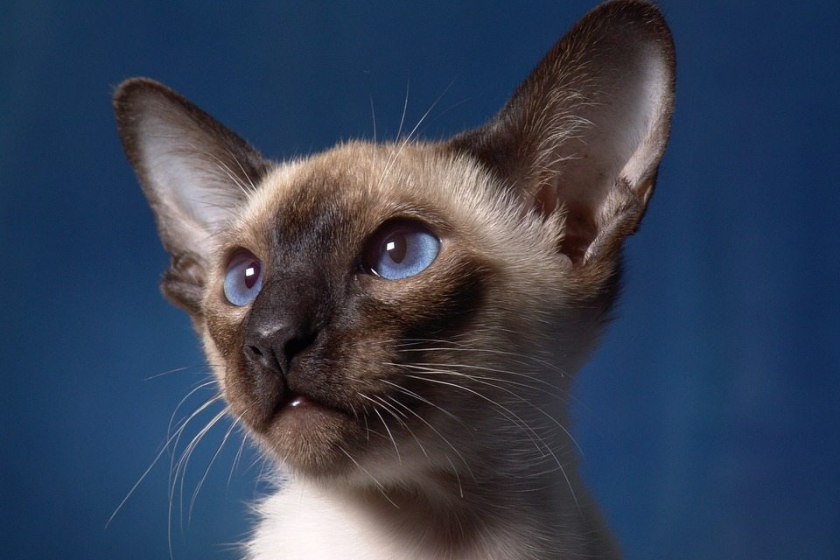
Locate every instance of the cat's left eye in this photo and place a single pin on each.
(243, 279)
(400, 249)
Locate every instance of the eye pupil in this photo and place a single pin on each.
(396, 247)
(252, 273)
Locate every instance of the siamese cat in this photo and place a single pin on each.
(398, 324)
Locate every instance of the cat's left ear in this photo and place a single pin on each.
(195, 172)
(585, 132)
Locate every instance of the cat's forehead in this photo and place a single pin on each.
(348, 191)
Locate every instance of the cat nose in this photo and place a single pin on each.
(273, 346)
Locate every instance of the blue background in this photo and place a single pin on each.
(708, 418)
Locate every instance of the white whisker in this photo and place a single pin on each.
(207, 470)
(378, 484)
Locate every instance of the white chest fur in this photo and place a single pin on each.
(306, 522)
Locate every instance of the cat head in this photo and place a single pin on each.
(409, 302)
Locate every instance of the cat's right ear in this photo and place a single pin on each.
(195, 173)
(582, 137)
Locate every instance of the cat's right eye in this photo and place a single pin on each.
(400, 249)
(243, 279)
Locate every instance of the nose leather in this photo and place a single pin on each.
(272, 345)
(283, 322)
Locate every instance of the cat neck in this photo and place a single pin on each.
(490, 515)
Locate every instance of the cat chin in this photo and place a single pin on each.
(331, 447)
(313, 440)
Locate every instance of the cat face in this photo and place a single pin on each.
(365, 351)
(411, 304)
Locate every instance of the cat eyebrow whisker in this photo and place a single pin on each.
(392, 158)
(373, 116)
(427, 113)
(405, 107)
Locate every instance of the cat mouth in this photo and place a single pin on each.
(296, 401)
(299, 402)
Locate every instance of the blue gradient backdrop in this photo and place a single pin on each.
(708, 418)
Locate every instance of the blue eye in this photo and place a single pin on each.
(243, 279)
(400, 249)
